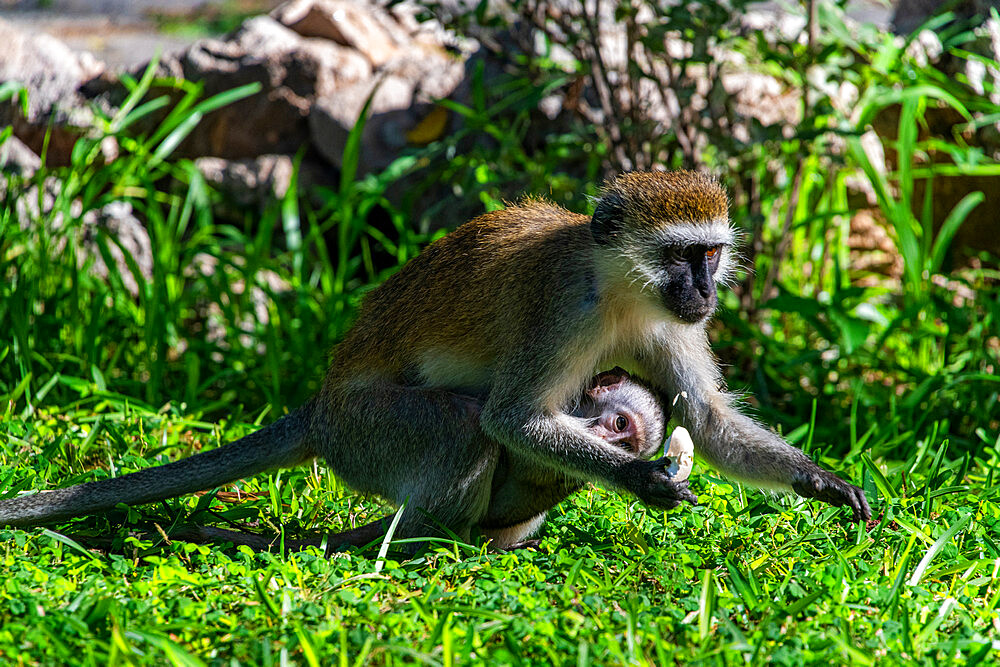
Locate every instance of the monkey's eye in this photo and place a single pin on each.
(713, 251)
(621, 423)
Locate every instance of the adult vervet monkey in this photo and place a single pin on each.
(522, 307)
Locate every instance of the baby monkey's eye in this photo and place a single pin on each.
(713, 251)
(621, 423)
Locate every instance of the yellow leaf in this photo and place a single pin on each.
(430, 128)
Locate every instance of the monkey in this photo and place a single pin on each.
(522, 306)
(615, 407)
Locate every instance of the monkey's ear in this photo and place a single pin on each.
(608, 218)
(608, 379)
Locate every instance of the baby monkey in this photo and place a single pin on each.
(479, 485)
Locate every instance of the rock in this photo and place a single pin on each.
(403, 98)
(293, 71)
(316, 62)
(36, 208)
(117, 221)
(249, 181)
(47, 68)
(911, 14)
(384, 135)
(371, 33)
(409, 69)
(260, 180)
(16, 158)
(52, 75)
(874, 259)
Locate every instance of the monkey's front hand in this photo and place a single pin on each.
(829, 488)
(656, 487)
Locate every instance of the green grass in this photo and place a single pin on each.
(741, 576)
(893, 387)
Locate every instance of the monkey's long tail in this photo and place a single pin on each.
(283, 443)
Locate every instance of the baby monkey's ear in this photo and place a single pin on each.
(606, 380)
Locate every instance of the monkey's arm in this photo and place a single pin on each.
(283, 443)
(735, 444)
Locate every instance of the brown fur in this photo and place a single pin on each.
(459, 289)
(656, 198)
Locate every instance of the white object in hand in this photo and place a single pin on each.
(680, 449)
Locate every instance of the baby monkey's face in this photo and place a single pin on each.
(623, 412)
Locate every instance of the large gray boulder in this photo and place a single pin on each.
(293, 72)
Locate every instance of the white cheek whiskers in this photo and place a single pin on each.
(732, 262)
(638, 272)
(725, 274)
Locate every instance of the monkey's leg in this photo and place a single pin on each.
(506, 538)
(411, 444)
(256, 541)
(521, 496)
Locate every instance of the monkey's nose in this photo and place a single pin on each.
(704, 285)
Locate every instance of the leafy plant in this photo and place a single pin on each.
(210, 289)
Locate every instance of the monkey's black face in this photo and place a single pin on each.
(689, 291)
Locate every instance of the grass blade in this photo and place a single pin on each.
(950, 226)
(922, 566)
(384, 549)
